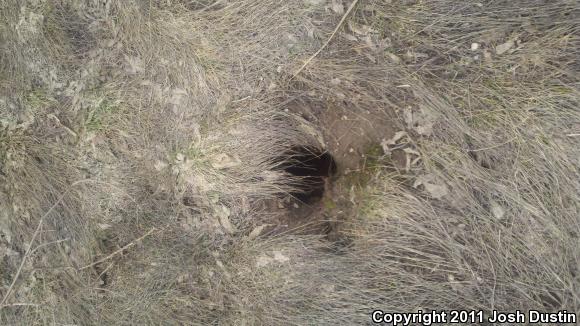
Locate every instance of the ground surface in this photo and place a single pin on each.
(143, 146)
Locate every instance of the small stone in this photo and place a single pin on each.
(474, 46)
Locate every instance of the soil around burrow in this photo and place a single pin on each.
(349, 134)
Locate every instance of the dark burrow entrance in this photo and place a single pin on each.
(313, 208)
(313, 169)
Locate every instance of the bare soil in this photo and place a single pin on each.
(349, 135)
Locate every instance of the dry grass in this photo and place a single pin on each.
(154, 129)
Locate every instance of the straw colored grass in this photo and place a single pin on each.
(140, 139)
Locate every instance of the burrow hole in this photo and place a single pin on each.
(313, 167)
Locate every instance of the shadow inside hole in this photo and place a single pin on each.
(313, 167)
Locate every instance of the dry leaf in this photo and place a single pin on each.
(270, 176)
(133, 65)
(337, 7)
(411, 151)
(279, 257)
(424, 121)
(504, 47)
(394, 58)
(257, 231)
(425, 129)
(359, 29)
(225, 161)
(398, 135)
(263, 261)
(393, 141)
(433, 185)
(200, 182)
(223, 215)
(436, 191)
(314, 2)
(497, 210)
(408, 116)
(369, 42)
(487, 56)
(349, 37)
(177, 96)
(160, 165)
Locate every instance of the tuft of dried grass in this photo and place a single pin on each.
(174, 113)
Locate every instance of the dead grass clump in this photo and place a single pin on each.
(138, 141)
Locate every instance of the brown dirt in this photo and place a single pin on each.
(348, 135)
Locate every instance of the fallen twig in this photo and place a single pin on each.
(134, 242)
(30, 248)
(348, 11)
